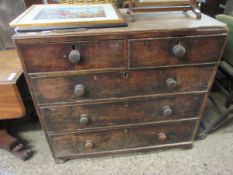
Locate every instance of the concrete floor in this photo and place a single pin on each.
(212, 156)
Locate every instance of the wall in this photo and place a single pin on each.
(9, 9)
(229, 7)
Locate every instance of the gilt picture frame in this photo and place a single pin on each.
(61, 15)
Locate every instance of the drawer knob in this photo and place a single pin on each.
(179, 50)
(89, 144)
(74, 56)
(79, 90)
(167, 111)
(171, 83)
(162, 136)
(83, 120)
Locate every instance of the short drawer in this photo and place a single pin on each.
(174, 51)
(130, 111)
(119, 139)
(77, 88)
(73, 56)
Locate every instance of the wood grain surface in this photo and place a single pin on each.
(119, 85)
(158, 52)
(10, 66)
(122, 112)
(143, 25)
(118, 139)
(122, 79)
(11, 104)
(54, 57)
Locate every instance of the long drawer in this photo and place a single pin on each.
(80, 55)
(74, 88)
(122, 112)
(119, 139)
(154, 52)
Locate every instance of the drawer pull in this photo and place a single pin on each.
(179, 50)
(74, 56)
(167, 111)
(162, 136)
(89, 144)
(171, 83)
(79, 90)
(83, 120)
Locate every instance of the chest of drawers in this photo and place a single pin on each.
(121, 90)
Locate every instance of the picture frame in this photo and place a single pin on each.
(65, 15)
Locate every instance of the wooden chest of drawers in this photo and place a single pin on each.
(121, 90)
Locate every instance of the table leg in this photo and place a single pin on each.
(13, 145)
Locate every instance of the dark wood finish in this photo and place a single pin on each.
(131, 94)
(123, 112)
(125, 138)
(147, 25)
(116, 85)
(158, 52)
(55, 57)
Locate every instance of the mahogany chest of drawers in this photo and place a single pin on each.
(120, 90)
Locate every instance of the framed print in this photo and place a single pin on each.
(60, 15)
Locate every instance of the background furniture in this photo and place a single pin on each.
(223, 83)
(11, 103)
(120, 90)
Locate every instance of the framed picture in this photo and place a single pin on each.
(61, 15)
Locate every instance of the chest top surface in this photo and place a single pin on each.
(142, 22)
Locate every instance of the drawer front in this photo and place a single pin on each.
(56, 57)
(174, 51)
(120, 139)
(131, 111)
(77, 88)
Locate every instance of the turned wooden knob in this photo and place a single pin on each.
(79, 90)
(74, 56)
(89, 144)
(162, 136)
(83, 120)
(171, 83)
(167, 111)
(179, 50)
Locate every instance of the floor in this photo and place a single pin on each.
(211, 156)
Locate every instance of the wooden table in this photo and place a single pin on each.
(11, 103)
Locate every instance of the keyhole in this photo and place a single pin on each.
(125, 104)
(125, 75)
(178, 42)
